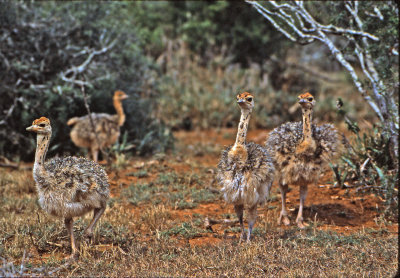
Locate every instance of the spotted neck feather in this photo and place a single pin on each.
(242, 128)
(307, 119)
(308, 144)
(42, 146)
(120, 111)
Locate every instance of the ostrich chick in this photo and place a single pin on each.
(69, 186)
(245, 170)
(106, 127)
(301, 152)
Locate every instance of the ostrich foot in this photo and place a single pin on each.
(283, 219)
(243, 237)
(301, 224)
(89, 237)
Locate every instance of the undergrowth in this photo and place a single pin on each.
(367, 164)
(202, 95)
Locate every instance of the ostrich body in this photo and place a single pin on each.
(301, 152)
(106, 127)
(69, 186)
(245, 170)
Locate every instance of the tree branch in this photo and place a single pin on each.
(75, 70)
(261, 10)
(382, 101)
(321, 35)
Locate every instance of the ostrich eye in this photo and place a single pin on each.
(310, 99)
(42, 125)
(249, 99)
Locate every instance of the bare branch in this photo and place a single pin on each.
(282, 17)
(337, 30)
(377, 13)
(10, 110)
(72, 80)
(208, 222)
(268, 14)
(75, 70)
(321, 35)
(261, 10)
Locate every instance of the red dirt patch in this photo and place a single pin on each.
(342, 210)
(201, 241)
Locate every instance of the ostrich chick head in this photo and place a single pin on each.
(40, 126)
(120, 95)
(306, 100)
(245, 100)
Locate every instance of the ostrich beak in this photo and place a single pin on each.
(240, 101)
(301, 101)
(30, 128)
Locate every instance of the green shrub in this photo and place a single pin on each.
(367, 163)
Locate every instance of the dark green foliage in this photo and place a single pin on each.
(45, 39)
(209, 28)
(386, 30)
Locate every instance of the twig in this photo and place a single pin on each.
(214, 190)
(81, 68)
(10, 110)
(9, 165)
(208, 222)
(362, 168)
(33, 242)
(54, 244)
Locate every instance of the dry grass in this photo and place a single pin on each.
(154, 227)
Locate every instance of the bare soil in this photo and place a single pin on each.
(341, 210)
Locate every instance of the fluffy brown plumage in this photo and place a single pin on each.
(69, 186)
(301, 152)
(246, 183)
(106, 126)
(245, 170)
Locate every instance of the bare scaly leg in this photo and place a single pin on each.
(69, 224)
(251, 219)
(96, 215)
(239, 213)
(283, 217)
(95, 153)
(303, 195)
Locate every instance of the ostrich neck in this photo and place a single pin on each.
(242, 128)
(42, 146)
(120, 111)
(307, 119)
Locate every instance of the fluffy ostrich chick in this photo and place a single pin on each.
(69, 186)
(106, 127)
(245, 170)
(301, 152)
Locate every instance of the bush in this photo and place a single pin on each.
(44, 40)
(368, 165)
(203, 96)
